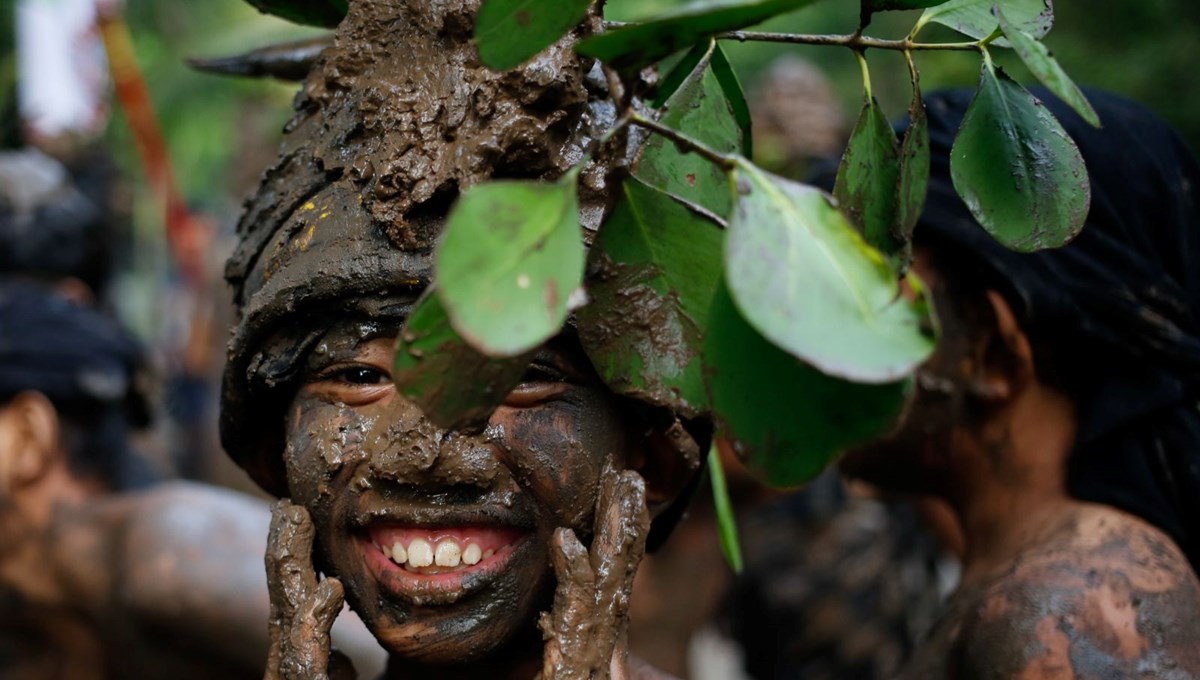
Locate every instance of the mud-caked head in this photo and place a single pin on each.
(440, 536)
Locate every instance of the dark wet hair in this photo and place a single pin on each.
(90, 369)
(1114, 316)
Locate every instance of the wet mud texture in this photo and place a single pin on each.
(396, 118)
(1109, 597)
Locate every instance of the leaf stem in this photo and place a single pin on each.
(866, 73)
(724, 161)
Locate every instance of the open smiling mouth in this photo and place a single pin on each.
(438, 565)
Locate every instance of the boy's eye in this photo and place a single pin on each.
(358, 375)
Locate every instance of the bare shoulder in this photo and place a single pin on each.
(1115, 599)
(189, 547)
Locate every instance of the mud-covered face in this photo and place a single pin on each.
(441, 538)
(916, 456)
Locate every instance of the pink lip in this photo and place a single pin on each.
(434, 589)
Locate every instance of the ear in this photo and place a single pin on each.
(669, 458)
(1004, 356)
(28, 440)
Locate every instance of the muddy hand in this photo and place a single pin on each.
(302, 608)
(586, 630)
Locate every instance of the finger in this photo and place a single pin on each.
(291, 577)
(325, 606)
(620, 541)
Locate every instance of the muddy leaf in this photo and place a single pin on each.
(785, 419)
(700, 109)
(511, 255)
(975, 18)
(1045, 67)
(653, 273)
(638, 45)
(1017, 170)
(914, 170)
(510, 32)
(804, 278)
(868, 177)
(455, 385)
(328, 13)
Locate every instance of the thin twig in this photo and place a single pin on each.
(853, 40)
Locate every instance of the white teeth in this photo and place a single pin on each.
(420, 554)
(399, 554)
(448, 554)
(472, 554)
(488, 553)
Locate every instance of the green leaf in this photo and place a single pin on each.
(454, 384)
(975, 18)
(1019, 173)
(725, 74)
(1045, 67)
(654, 269)
(327, 13)
(636, 46)
(511, 255)
(805, 279)
(727, 529)
(699, 109)
(785, 419)
(885, 5)
(868, 177)
(914, 168)
(510, 32)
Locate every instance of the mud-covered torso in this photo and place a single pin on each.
(1107, 596)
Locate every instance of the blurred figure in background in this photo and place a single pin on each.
(105, 574)
(1058, 417)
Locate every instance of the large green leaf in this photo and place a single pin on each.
(327, 13)
(454, 384)
(511, 255)
(975, 17)
(914, 168)
(654, 269)
(785, 419)
(1045, 67)
(639, 45)
(805, 279)
(700, 109)
(1019, 173)
(509, 32)
(868, 177)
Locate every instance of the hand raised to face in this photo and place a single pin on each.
(302, 608)
(586, 631)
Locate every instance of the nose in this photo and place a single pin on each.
(414, 451)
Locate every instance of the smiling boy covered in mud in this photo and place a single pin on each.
(504, 551)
